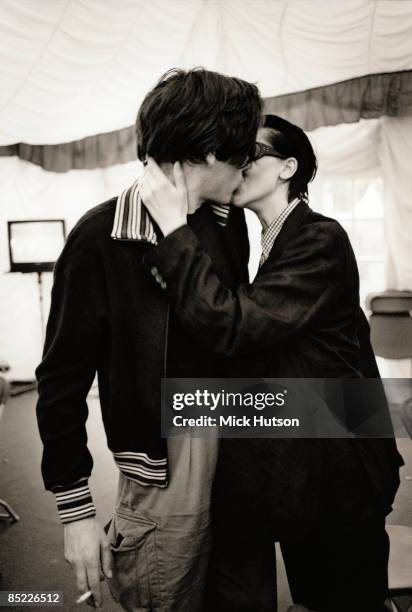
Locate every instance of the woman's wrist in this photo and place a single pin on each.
(172, 226)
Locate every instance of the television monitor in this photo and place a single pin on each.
(34, 245)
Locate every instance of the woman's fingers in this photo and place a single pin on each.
(156, 173)
(156, 188)
(147, 188)
(154, 181)
(166, 201)
(179, 177)
(157, 177)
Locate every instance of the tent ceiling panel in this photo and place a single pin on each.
(77, 68)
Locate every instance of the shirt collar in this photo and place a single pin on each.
(270, 234)
(133, 222)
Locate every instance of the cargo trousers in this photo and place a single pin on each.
(160, 538)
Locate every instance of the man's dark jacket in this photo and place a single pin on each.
(299, 319)
(109, 315)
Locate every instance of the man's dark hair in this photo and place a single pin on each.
(189, 114)
(289, 140)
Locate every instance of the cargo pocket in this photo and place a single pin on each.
(136, 582)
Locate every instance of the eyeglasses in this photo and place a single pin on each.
(261, 150)
(242, 164)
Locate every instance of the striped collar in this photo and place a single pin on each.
(270, 234)
(133, 222)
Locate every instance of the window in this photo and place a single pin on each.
(357, 203)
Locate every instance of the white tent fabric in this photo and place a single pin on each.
(76, 68)
(66, 67)
(30, 192)
(382, 147)
(395, 156)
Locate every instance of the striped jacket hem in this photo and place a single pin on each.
(74, 501)
(141, 468)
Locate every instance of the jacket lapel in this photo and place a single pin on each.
(289, 229)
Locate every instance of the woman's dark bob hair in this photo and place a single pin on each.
(289, 140)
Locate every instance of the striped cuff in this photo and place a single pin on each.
(74, 502)
(142, 468)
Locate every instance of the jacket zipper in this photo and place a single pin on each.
(166, 342)
(165, 370)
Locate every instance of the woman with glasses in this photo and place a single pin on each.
(325, 500)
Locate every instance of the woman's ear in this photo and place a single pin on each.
(289, 167)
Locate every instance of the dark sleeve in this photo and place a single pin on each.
(368, 365)
(285, 297)
(66, 373)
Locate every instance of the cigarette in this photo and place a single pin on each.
(83, 597)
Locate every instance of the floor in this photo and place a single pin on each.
(31, 556)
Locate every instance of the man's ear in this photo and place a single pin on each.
(290, 165)
(210, 159)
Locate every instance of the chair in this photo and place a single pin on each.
(391, 323)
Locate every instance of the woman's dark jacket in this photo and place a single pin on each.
(300, 318)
